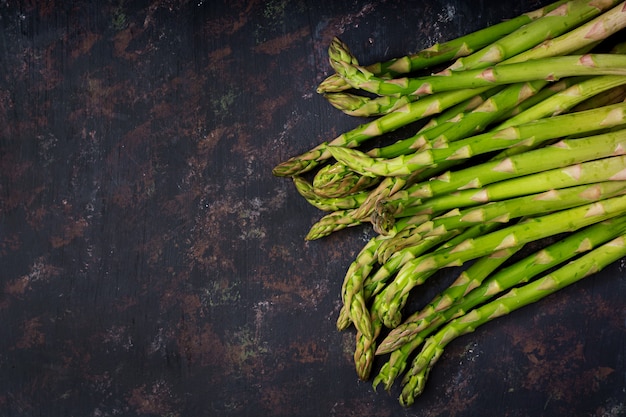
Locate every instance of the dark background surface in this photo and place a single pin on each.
(151, 265)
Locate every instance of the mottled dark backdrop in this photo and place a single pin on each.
(150, 265)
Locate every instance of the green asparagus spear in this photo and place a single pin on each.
(328, 203)
(440, 53)
(409, 113)
(530, 133)
(550, 69)
(471, 289)
(576, 270)
(559, 32)
(401, 347)
(392, 299)
(563, 153)
(604, 169)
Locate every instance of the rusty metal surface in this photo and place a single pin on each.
(151, 265)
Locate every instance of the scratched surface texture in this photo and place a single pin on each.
(151, 265)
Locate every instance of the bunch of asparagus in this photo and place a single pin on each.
(520, 138)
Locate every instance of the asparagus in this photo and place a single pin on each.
(561, 154)
(529, 133)
(552, 68)
(409, 113)
(463, 123)
(336, 180)
(469, 290)
(401, 347)
(440, 53)
(366, 342)
(556, 33)
(611, 168)
(391, 300)
(534, 204)
(546, 176)
(516, 298)
(328, 203)
(565, 100)
(361, 106)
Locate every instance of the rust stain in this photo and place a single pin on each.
(85, 42)
(40, 271)
(122, 41)
(31, 334)
(308, 352)
(156, 399)
(268, 109)
(278, 45)
(71, 231)
(219, 55)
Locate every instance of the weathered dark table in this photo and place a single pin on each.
(151, 265)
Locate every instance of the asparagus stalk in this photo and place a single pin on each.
(366, 343)
(471, 289)
(336, 180)
(564, 153)
(552, 68)
(565, 100)
(534, 204)
(440, 53)
(463, 123)
(409, 113)
(530, 133)
(401, 348)
(392, 299)
(516, 298)
(362, 106)
(305, 189)
(605, 169)
(559, 32)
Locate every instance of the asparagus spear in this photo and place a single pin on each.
(611, 168)
(552, 68)
(469, 290)
(336, 180)
(564, 153)
(546, 32)
(516, 298)
(392, 299)
(534, 204)
(401, 347)
(565, 100)
(366, 342)
(362, 106)
(305, 189)
(442, 52)
(409, 113)
(529, 133)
